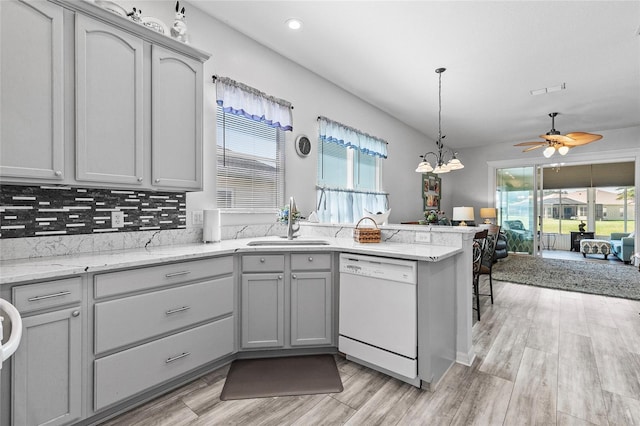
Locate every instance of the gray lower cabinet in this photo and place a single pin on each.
(47, 367)
(311, 315)
(263, 310)
(156, 323)
(286, 300)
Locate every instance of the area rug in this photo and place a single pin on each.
(287, 376)
(587, 277)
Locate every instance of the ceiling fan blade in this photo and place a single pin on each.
(557, 138)
(534, 147)
(582, 138)
(529, 143)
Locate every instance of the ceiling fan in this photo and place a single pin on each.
(553, 140)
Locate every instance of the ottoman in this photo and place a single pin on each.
(591, 246)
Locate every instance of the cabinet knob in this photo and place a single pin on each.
(58, 173)
(279, 277)
(310, 259)
(262, 260)
(294, 276)
(75, 313)
(157, 180)
(139, 179)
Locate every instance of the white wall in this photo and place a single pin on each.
(244, 60)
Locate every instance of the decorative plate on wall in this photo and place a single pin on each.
(303, 145)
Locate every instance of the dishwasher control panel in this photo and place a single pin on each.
(379, 268)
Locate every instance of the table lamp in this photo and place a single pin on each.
(462, 214)
(488, 213)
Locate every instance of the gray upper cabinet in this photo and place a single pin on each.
(91, 98)
(31, 83)
(109, 104)
(176, 131)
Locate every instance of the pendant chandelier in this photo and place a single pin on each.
(441, 165)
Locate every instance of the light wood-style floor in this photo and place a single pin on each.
(544, 357)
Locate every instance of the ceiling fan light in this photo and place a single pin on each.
(424, 167)
(548, 151)
(563, 150)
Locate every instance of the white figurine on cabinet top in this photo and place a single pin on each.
(135, 15)
(179, 27)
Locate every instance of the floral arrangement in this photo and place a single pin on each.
(283, 215)
(434, 216)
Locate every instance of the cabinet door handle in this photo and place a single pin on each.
(177, 274)
(177, 357)
(75, 313)
(48, 296)
(175, 311)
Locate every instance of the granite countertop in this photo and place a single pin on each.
(13, 271)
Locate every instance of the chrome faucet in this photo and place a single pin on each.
(290, 228)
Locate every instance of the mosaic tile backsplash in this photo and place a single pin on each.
(36, 211)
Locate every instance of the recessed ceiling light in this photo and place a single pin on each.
(293, 23)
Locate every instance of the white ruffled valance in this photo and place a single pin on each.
(340, 134)
(240, 99)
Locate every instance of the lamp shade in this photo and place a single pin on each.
(463, 214)
(488, 213)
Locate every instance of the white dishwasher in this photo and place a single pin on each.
(378, 314)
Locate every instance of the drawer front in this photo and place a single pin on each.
(129, 372)
(310, 261)
(125, 321)
(33, 297)
(133, 280)
(263, 263)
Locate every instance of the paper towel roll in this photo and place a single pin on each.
(211, 226)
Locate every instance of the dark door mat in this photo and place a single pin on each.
(287, 376)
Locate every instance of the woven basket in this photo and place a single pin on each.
(366, 235)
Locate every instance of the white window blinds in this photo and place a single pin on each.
(250, 173)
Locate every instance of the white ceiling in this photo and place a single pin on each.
(495, 52)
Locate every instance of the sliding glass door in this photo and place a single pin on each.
(516, 207)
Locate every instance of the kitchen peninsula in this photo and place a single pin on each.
(115, 281)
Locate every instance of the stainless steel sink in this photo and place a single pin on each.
(284, 242)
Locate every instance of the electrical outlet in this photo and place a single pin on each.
(423, 237)
(196, 217)
(117, 219)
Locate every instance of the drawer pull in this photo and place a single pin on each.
(49, 296)
(177, 274)
(262, 259)
(75, 314)
(177, 357)
(175, 311)
(310, 259)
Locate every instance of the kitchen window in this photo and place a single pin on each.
(250, 147)
(349, 173)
